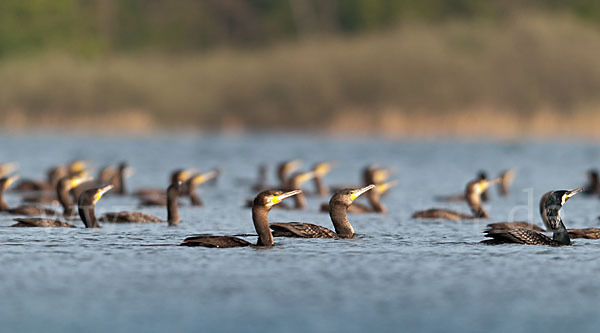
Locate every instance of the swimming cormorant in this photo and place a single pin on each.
(27, 210)
(172, 191)
(338, 204)
(551, 215)
(473, 195)
(263, 203)
(373, 197)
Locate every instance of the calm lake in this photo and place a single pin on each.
(397, 274)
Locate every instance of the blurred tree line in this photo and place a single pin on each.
(97, 27)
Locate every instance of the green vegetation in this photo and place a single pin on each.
(401, 67)
(101, 27)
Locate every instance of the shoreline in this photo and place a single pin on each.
(467, 126)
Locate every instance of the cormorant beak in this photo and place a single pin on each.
(6, 168)
(76, 181)
(10, 181)
(571, 193)
(484, 184)
(357, 193)
(101, 191)
(278, 198)
(306, 176)
(380, 176)
(382, 188)
(204, 177)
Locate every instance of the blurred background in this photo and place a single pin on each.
(401, 68)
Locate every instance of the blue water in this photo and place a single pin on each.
(397, 274)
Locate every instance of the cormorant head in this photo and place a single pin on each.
(479, 186)
(287, 167)
(181, 175)
(174, 189)
(125, 169)
(347, 196)
(551, 204)
(508, 176)
(270, 198)
(558, 198)
(291, 166)
(72, 182)
(299, 178)
(482, 175)
(77, 166)
(97, 193)
(57, 172)
(7, 168)
(5, 182)
(323, 168)
(593, 175)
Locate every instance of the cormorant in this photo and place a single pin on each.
(481, 175)
(320, 170)
(172, 191)
(62, 191)
(551, 215)
(589, 233)
(338, 205)
(506, 179)
(263, 203)
(473, 195)
(374, 199)
(593, 185)
(178, 175)
(295, 182)
(28, 210)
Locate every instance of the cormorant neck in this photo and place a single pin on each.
(195, 199)
(474, 201)
(65, 200)
(121, 181)
(172, 207)
(3, 204)
(87, 215)
(300, 201)
(562, 236)
(282, 175)
(260, 217)
(193, 194)
(484, 196)
(373, 197)
(337, 212)
(322, 189)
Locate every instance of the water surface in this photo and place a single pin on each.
(397, 274)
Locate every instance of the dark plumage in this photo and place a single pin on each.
(473, 192)
(589, 233)
(128, 217)
(41, 223)
(27, 210)
(263, 203)
(172, 193)
(338, 204)
(373, 197)
(550, 207)
(516, 225)
(518, 236)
